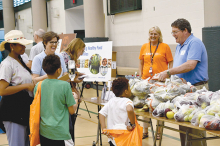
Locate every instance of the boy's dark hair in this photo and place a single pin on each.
(182, 24)
(119, 86)
(51, 63)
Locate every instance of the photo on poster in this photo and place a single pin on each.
(96, 61)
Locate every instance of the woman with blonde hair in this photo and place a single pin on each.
(155, 57)
(73, 51)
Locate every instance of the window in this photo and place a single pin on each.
(119, 6)
(20, 2)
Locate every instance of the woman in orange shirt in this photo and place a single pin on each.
(155, 57)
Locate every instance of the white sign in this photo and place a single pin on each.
(96, 61)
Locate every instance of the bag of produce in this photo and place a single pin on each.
(210, 122)
(183, 113)
(141, 89)
(138, 102)
(203, 100)
(152, 102)
(214, 109)
(215, 98)
(159, 111)
(197, 116)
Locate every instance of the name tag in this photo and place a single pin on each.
(182, 52)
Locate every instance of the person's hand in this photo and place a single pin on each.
(107, 134)
(130, 128)
(76, 79)
(163, 75)
(30, 86)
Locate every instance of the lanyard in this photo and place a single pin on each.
(152, 57)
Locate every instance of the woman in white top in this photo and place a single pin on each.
(16, 89)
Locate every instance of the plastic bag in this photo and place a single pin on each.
(128, 138)
(152, 102)
(141, 89)
(203, 100)
(138, 102)
(159, 111)
(210, 122)
(184, 110)
(197, 116)
(214, 109)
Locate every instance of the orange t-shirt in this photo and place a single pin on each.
(161, 58)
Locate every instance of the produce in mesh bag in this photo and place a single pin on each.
(203, 100)
(183, 111)
(193, 113)
(176, 80)
(191, 96)
(138, 102)
(152, 102)
(214, 109)
(141, 89)
(202, 90)
(165, 94)
(159, 111)
(210, 122)
(196, 118)
(132, 82)
(215, 98)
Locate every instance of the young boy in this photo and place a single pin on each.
(119, 110)
(57, 102)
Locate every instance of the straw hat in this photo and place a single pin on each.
(14, 36)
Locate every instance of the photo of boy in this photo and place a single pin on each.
(57, 102)
(119, 104)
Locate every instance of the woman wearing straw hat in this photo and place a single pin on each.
(50, 41)
(16, 89)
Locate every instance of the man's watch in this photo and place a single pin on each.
(168, 72)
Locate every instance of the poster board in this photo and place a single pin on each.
(64, 40)
(96, 61)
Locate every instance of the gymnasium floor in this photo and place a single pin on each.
(86, 128)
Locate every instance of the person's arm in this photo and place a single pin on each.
(29, 64)
(36, 78)
(185, 67)
(131, 116)
(170, 64)
(141, 64)
(76, 100)
(103, 125)
(5, 89)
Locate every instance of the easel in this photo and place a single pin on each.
(74, 116)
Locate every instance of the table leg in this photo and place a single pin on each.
(186, 139)
(155, 138)
(161, 133)
(152, 129)
(100, 130)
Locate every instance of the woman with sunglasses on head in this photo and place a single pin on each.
(50, 41)
(155, 57)
(16, 89)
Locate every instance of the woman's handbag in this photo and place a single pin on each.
(35, 118)
(16, 108)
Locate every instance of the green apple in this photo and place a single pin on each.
(200, 116)
(170, 115)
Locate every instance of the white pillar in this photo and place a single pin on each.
(94, 18)
(8, 15)
(39, 14)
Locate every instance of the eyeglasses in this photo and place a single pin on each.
(175, 32)
(54, 43)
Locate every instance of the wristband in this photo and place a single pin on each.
(168, 72)
(132, 125)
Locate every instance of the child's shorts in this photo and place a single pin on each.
(46, 142)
